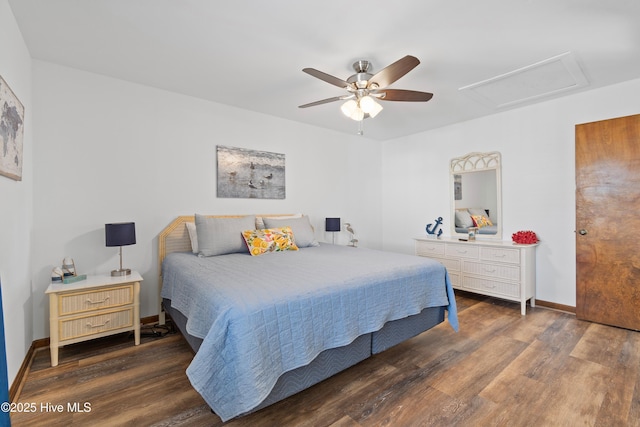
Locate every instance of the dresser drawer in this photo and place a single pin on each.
(462, 251)
(95, 324)
(455, 279)
(500, 271)
(450, 264)
(493, 287)
(500, 254)
(79, 302)
(429, 249)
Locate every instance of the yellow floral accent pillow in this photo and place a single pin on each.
(480, 221)
(266, 240)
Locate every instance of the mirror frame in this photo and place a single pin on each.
(476, 162)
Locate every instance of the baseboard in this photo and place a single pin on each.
(16, 386)
(149, 319)
(18, 382)
(555, 306)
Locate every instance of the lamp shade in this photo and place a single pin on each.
(332, 224)
(120, 234)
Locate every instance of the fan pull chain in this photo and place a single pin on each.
(361, 127)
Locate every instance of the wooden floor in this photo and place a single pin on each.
(502, 369)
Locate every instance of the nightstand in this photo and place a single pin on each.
(93, 308)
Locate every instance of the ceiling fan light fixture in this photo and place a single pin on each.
(352, 110)
(365, 89)
(349, 107)
(358, 115)
(367, 103)
(375, 110)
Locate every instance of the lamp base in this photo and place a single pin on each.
(121, 272)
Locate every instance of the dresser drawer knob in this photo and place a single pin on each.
(97, 302)
(490, 270)
(89, 325)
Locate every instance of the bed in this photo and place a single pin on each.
(265, 327)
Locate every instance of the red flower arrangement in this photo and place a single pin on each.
(524, 237)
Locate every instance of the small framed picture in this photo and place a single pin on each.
(472, 233)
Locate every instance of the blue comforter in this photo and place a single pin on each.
(260, 317)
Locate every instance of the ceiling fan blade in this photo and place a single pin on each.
(326, 77)
(323, 101)
(393, 72)
(405, 95)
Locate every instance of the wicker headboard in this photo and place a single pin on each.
(175, 238)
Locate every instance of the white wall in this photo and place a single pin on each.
(109, 151)
(16, 202)
(100, 150)
(538, 176)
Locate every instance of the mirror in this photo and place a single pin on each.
(476, 195)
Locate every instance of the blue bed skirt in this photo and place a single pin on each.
(332, 361)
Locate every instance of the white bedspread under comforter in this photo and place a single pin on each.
(262, 316)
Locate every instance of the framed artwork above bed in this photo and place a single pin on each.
(250, 174)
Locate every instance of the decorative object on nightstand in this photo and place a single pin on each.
(68, 267)
(332, 225)
(120, 234)
(352, 241)
(434, 232)
(56, 275)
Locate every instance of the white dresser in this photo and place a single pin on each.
(498, 269)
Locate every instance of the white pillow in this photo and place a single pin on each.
(260, 219)
(463, 219)
(193, 236)
(301, 227)
(220, 236)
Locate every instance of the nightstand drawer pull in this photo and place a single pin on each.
(89, 325)
(490, 270)
(98, 302)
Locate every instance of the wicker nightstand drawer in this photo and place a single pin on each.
(93, 300)
(95, 324)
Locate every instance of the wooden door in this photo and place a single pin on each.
(608, 222)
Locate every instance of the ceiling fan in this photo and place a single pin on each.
(365, 88)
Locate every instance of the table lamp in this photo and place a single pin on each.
(332, 225)
(120, 234)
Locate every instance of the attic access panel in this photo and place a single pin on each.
(545, 78)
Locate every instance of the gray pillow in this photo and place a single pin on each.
(301, 227)
(220, 236)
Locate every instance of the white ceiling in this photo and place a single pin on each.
(250, 54)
